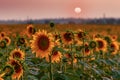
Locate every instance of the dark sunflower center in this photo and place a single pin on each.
(2, 35)
(87, 50)
(68, 36)
(16, 55)
(56, 37)
(55, 53)
(112, 47)
(100, 44)
(6, 40)
(17, 68)
(22, 40)
(43, 43)
(31, 30)
(81, 35)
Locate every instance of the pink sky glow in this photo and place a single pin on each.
(39, 9)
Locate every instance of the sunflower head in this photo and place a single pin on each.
(1, 78)
(114, 37)
(86, 49)
(80, 34)
(18, 70)
(92, 44)
(52, 24)
(2, 34)
(2, 44)
(17, 54)
(55, 56)
(114, 47)
(30, 30)
(42, 43)
(7, 40)
(102, 44)
(67, 37)
(21, 41)
(9, 70)
(108, 39)
(97, 35)
(68, 56)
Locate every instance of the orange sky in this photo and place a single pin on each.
(39, 9)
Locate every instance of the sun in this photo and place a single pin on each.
(77, 10)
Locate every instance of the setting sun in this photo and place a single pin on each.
(77, 10)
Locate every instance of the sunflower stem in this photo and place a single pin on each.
(60, 64)
(51, 68)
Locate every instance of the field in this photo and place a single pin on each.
(59, 52)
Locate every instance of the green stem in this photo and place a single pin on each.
(51, 68)
(72, 63)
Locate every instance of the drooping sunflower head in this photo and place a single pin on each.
(102, 44)
(30, 30)
(18, 69)
(42, 43)
(67, 37)
(17, 54)
(2, 44)
(114, 47)
(8, 40)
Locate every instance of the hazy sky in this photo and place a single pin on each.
(39, 9)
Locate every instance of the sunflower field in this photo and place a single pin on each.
(59, 52)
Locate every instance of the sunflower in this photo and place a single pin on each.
(18, 69)
(56, 39)
(1, 78)
(102, 44)
(42, 43)
(8, 70)
(67, 37)
(92, 44)
(21, 41)
(80, 34)
(2, 44)
(96, 35)
(108, 39)
(17, 53)
(114, 37)
(2, 34)
(8, 40)
(114, 47)
(55, 57)
(68, 56)
(30, 30)
(86, 50)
